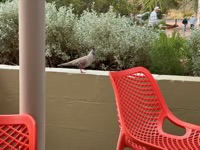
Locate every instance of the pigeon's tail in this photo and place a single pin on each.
(65, 64)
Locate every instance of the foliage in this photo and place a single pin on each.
(123, 7)
(118, 44)
(60, 44)
(111, 34)
(9, 52)
(170, 55)
(164, 4)
(194, 46)
(179, 14)
(101, 6)
(2, 1)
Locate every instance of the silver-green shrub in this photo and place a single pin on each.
(119, 45)
(9, 52)
(59, 33)
(194, 46)
(112, 35)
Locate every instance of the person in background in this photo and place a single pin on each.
(153, 19)
(130, 20)
(185, 22)
(192, 22)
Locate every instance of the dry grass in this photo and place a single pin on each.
(179, 14)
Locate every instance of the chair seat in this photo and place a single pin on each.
(192, 142)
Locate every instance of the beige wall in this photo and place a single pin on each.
(81, 112)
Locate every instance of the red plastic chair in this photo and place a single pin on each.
(141, 112)
(17, 132)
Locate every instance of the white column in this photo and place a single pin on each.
(32, 63)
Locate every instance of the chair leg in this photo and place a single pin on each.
(121, 142)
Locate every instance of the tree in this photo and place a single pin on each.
(168, 4)
(163, 4)
(121, 6)
(195, 6)
(2, 1)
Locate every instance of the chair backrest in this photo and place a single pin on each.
(17, 132)
(139, 102)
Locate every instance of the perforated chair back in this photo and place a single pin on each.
(142, 111)
(17, 132)
(138, 103)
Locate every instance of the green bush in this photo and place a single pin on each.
(170, 55)
(112, 35)
(3, 1)
(101, 6)
(9, 51)
(60, 45)
(118, 44)
(194, 46)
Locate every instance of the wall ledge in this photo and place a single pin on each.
(105, 73)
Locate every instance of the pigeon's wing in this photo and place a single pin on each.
(83, 62)
(66, 64)
(86, 60)
(71, 63)
(75, 62)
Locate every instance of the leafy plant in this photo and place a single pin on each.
(194, 47)
(9, 52)
(60, 45)
(101, 6)
(118, 44)
(111, 34)
(170, 55)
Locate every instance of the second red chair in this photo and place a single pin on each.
(142, 111)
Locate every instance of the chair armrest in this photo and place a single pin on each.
(181, 123)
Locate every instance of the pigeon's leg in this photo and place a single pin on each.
(81, 68)
(81, 71)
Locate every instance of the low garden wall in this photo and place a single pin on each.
(81, 111)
